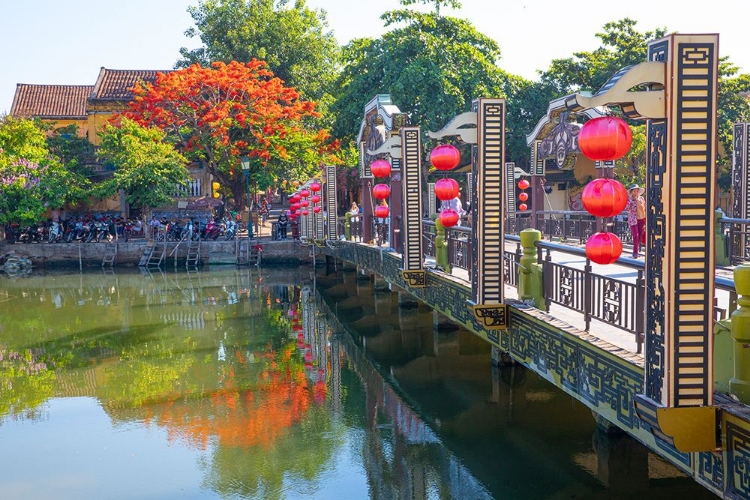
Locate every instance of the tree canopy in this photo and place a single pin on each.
(149, 170)
(432, 67)
(31, 179)
(292, 39)
(217, 115)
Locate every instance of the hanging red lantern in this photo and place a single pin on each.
(605, 138)
(308, 356)
(315, 198)
(380, 168)
(381, 191)
(523, 196)
(315, 187)
(603, 248)
(304, 203)
(294, 206)
(381, 211)
(604, 197)
(449, 217)
(445, 157)
(304, 193)
(523, 207)
(297, 212)
(305, 212)
(523, 184)
(301, 337)
(446, 189)
(316, 210)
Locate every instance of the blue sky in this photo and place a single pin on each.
(68, 41)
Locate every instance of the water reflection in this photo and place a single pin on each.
(250, 384)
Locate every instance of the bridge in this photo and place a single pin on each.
(654, 347)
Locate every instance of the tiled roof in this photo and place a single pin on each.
(116, 83)
(50, 101)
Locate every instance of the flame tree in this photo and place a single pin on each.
(217, 115)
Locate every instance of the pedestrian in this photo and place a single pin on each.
(636, 208)
(154, 226)
(282, 225)
(354, 210)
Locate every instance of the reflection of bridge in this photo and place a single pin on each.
(410, 368)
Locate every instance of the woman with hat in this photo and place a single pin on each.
(636, 208)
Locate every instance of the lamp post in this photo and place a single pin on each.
(245, 162)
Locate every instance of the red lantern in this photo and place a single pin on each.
(603, 248)
(445, 157)
(523, 196)
(523, 207)
(304, 203)
(304, 193)
(316, 210)
(604, 197)
(605, 138)
(448, 217)
(308, 356)
(381, 191)
(305, 212)
(297, 212)
(294, 206)
(523, 184)
(380, 168)
(381, 211)
(301, 337)
(315, 198)
(315, 187)
(446, 189)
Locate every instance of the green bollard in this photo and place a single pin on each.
(529, 272)
(441, 247)
(348, 226)
(739, 385)
(722, 259)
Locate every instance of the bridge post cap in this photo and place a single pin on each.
(742, 279)
(529, 236)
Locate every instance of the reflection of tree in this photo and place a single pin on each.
(26, 381)
(256, 424)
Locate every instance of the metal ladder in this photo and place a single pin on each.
(158, 253)
(110, 254)
(147, 250)
(193, 253)
(247, 252)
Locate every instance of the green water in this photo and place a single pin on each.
(263, 384)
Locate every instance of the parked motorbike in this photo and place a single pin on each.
(231, 229)
(55, 233)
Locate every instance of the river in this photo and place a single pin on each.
(269, 384)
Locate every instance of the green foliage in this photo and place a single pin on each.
(432, 67)
(621, 46)
(292, 39)
(149, 169)
(31, 179)
(71, 149)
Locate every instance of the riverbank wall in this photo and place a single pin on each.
(72, 255)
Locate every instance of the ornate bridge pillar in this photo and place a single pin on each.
(484, 128)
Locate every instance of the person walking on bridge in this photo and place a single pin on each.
(636, 208)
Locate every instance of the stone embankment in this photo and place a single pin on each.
(61, 255)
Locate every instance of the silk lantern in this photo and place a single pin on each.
(316, 210)
(605, 138)
(446, 189)
(448, 217)
(304, 193)
(381, 211)
(445, 157)
(603, 248)
(315, 198)
(523, 196)
(604, 197)
(380, 168)
(315, 187)
(305, 212)
(381, 191)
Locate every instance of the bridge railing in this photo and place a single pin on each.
(737, 232)
(567, 225)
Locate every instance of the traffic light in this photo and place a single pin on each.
(215, 186)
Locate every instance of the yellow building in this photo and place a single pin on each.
(90, 108)
(57, 105)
